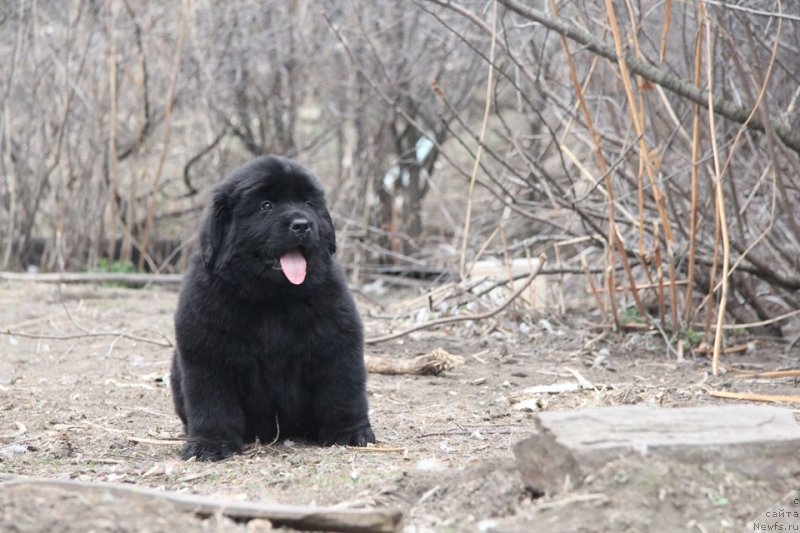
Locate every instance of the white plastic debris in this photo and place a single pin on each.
(376, 288)
(12, 449)
(429, 465)
(446, 448)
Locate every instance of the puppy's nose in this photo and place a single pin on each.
(300, 226)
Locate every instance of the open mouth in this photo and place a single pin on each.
(292, 264)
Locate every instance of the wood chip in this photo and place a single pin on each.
(21, 429)
(555, 388)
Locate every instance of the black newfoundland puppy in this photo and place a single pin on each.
(269, 342)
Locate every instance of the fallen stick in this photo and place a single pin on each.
(158, 442)
(118, 334)
(432, 363)
(297, 517)
(774, 374)
(704, 349)
(94, 277)
(775, 398)
(451, 319)
(376, 449)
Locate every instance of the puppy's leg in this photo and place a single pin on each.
(215, 419)
(340, 404)
(177, 389)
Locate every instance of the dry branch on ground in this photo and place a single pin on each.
(297, 517)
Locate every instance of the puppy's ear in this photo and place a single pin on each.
(328, 232)
(215, 227)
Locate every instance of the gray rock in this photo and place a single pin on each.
(759, 442)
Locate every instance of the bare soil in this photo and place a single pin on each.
(84, 396)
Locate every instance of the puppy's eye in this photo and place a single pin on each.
(309, 203)
(266, 205)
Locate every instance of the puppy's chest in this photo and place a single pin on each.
(282, 335)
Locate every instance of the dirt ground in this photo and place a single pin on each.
(84, 395)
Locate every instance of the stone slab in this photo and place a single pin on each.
(567, 446)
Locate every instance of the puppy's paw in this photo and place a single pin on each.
(209, 449)
(349, 437)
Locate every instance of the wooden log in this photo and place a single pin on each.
(298, 517)
(759, 442)
(432, 363)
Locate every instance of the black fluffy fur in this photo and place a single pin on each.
(256, 356)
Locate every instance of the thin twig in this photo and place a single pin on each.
(165, 344)
(720, 205)
(696, 125)
(775, 374)
(158, 442)
(375, 449)
(277, 430)
(487, 107)
(751, 11)
(751, 396)
(760, 323)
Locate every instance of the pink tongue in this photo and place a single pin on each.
(294, 266)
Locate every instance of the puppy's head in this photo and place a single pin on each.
(268, 220)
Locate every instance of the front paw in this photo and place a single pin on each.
(205, 449)
(348, 437)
